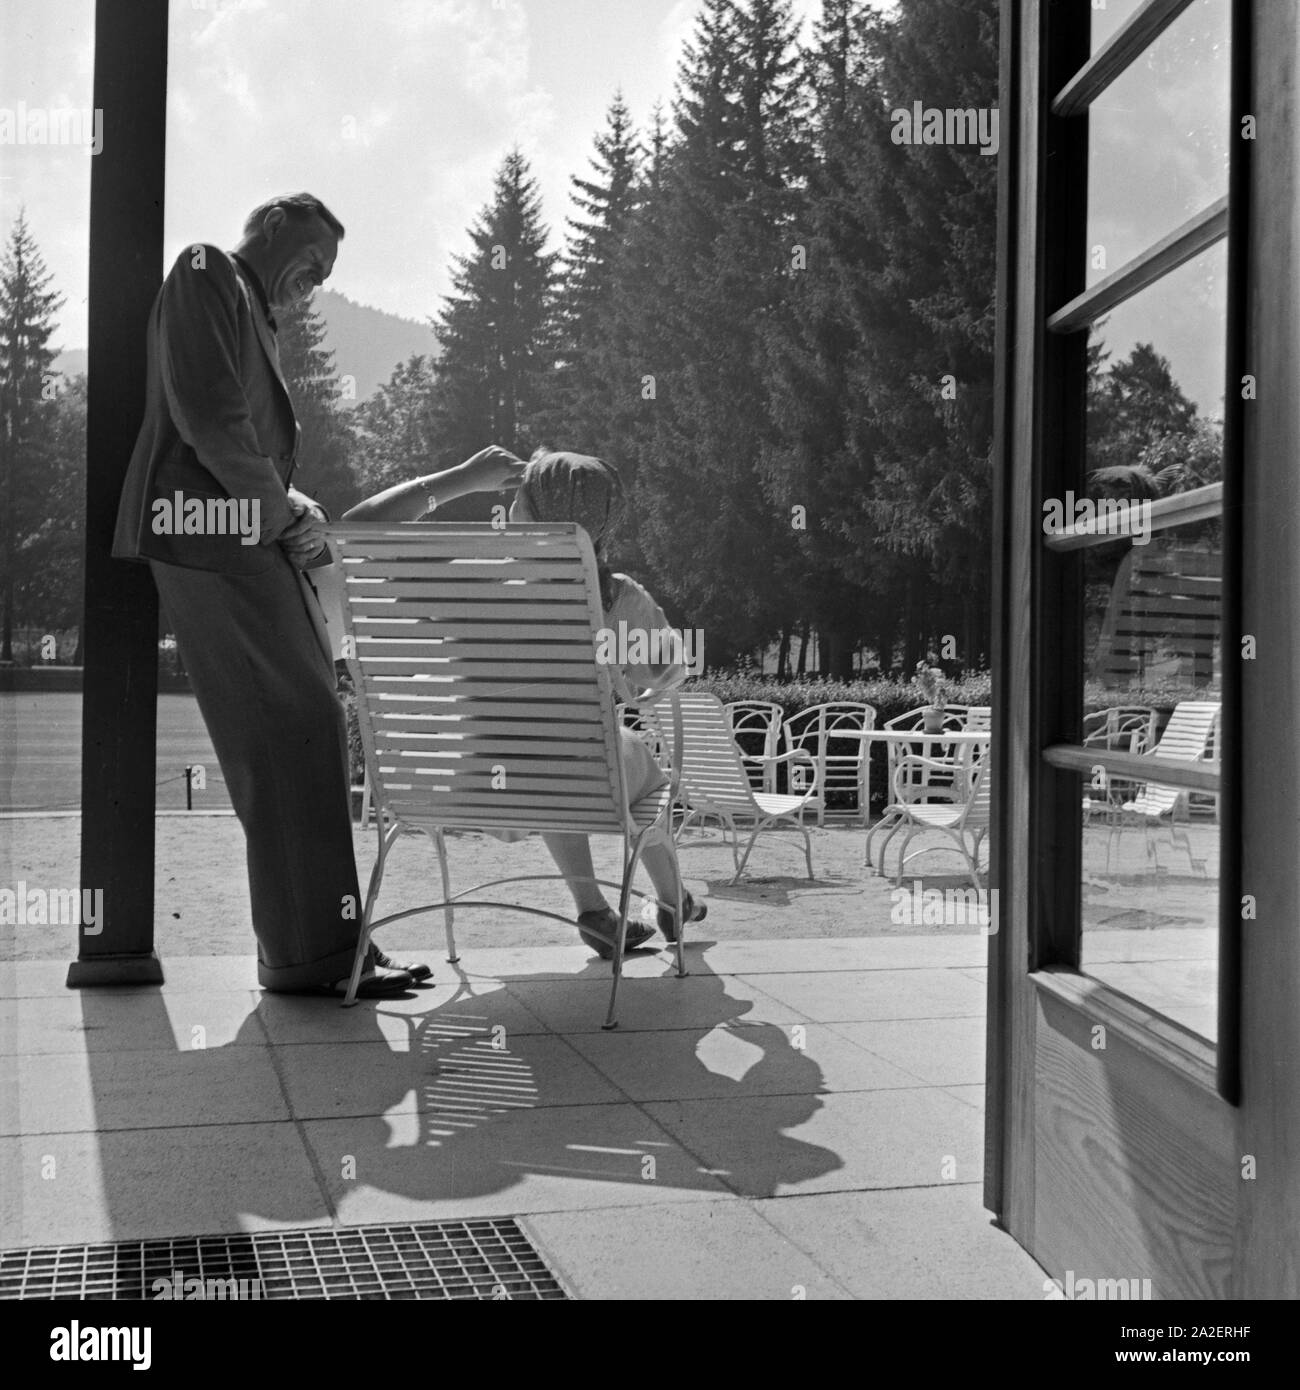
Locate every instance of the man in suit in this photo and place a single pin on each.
(207, 504)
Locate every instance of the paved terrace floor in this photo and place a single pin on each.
(802, 1114)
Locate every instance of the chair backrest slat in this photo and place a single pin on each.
(712, 771)
(480, 696)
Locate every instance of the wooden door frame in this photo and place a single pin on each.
(1170, 1125)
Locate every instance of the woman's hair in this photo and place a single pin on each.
(577, 487)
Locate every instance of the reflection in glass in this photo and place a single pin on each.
(1153, 646)
(1158, 136)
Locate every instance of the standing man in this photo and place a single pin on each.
(207, 503)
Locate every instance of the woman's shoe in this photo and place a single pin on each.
(667, 916)
(599, 929)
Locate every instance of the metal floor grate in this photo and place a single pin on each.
(482, 1259)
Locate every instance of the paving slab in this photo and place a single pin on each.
(128, 1021)
(767, 1146)
(700, 1000)
(442, 1074)
(413, 1167)
(937, 1051)
(84, 1188)
(737, 1060)
(56, 1093)
(923, 1243)
(698, 1251)
(489, 1009)
(816, 954)
(850, 996)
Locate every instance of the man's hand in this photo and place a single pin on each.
(304, 538)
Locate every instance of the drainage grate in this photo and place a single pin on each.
(486, 1259)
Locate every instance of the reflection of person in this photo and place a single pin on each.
(219, 443)
(589, 491)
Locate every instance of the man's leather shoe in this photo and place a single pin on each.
(416, 972)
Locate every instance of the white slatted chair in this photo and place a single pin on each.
(828, 732)
(1189, 737)
(970, 818)
(758, 723)
(929, 777)
(713, 778)
(1123, 729)
(481, 701)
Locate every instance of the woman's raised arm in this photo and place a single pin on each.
(490, 470)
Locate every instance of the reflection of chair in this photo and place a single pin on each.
(1188, 737)
(756, 725)
(828, 733)
(1126, 728)
(1123, 729)
(481, 702)
(714, 781)
(956, 821)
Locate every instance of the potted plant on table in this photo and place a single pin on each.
(930, 679)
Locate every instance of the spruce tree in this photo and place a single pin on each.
(587, 414)
(324, 470)
(713, 271)
(492, 382)
(395, 429)
(924, 315)
(27, 393)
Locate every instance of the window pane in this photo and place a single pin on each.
(1158, 138)
(1152, 644)
(1150, 884)
(1150, 889)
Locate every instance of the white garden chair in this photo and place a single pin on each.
(1123, 729)
(1190, 736)
(943, 777)
(756, 725)
(714, 782)
(829, 734)
(482, 704)
(970, 818)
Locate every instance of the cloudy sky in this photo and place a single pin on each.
(398, 112)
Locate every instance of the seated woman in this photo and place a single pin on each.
(588, 491)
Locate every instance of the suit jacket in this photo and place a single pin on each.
(218, 422)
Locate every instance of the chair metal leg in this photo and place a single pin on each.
(367, 916)
(440, 844)
(740, 868)
(898, 824)
(902, 856)
(625, 892)
(890, 818)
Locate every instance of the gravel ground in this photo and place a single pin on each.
(201, 905)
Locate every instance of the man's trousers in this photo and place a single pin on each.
(265, 685)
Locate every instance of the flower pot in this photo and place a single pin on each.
(932, 720)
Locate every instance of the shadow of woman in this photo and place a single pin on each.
(451, 1100)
